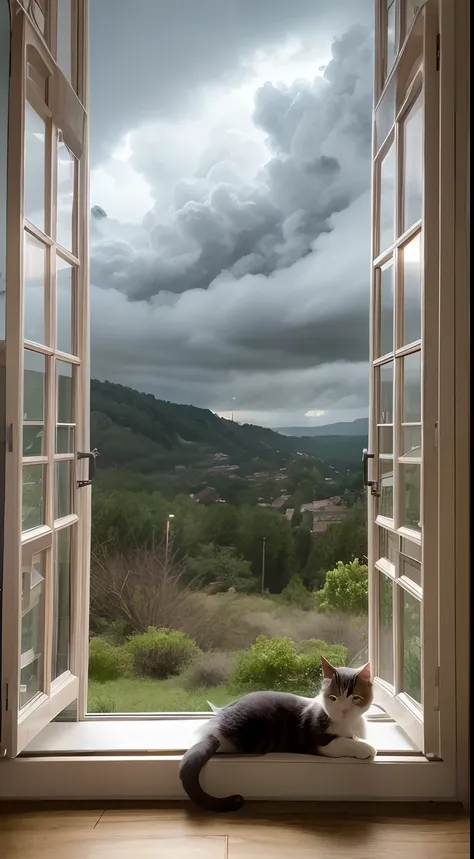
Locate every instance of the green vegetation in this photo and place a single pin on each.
(345, 589)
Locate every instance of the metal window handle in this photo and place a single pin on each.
(371, 483)
(91, 456)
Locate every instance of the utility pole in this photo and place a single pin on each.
(263, 565)
(167, 538)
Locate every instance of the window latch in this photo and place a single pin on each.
(91, 456)
(372, 484)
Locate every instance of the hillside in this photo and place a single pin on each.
(359, 427)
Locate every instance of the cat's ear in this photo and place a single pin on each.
(365, 673)
(328, 670)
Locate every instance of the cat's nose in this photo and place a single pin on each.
(345, 711)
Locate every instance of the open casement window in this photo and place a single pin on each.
(403, 489)
(46, 352)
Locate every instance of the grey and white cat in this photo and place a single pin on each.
(332, 724)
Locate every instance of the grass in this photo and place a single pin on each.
(143, 695)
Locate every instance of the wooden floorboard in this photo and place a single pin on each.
(259, 831)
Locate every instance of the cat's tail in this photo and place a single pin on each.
(189, 771)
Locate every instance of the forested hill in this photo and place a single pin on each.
(136, 431)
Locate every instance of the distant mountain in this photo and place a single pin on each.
(358, 427)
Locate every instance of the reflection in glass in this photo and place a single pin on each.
(388, 545)
(61, 597)
(385, 114)
(33, 497)
(385, 438)
(65, 304)
(385, 670)
(65, 205)
(391, 35)
(34, 280)
(411, 549)
(64, 392)
(62, 489)
(33, 386)
(33, 440)
(411, 570)
(411, 442)
(386, 394)
(412, 646)
(387, 290)
(412, 291)
(35, 148)
(64, 55)
(387, 200)
(413, 165)
(65, 440)
(410, 483)
(32, 629)
(412, 388)
(386, 488)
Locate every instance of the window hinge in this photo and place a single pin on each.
(436, 435)
(436, 690)
(6, 697)
(438, 51)
(10, 438)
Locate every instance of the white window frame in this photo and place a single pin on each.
(155, 776)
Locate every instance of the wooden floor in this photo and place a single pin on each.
(259, 831)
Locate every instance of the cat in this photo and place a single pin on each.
(259, 723)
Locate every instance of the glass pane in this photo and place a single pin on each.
(65, 305)
(385, 670)
(410, 483)
(412, 646)
(65, 207)
(387, 200)
(64, 392)
(413, 165)
(412, 388)
(34, 277)
(391, 35)
(386, 394)
(387, 290)
(35, 148)
(386, 488)
(411, 549)
(65, 440)
(64, 55)
(32, 629)
(412, 291)
(33, 440)
(33, 497)
(33, 386)
(62, 489)
(61, 610)
(385, 114)
(388, 545)
(411, 570)
(385, 439)
(411, 442)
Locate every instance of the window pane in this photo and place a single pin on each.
(412, 646)
(65, 205)
(65, 306)
(35, 148)
(412, 388)
(388, 545)
(386, 281)
(387, 200)
(33, 386)
(385, 439)
(391, 35)
(32, 629)
(411, 268)
(386, 394)
(65, 440)
(413, 165)
(64, 393)
(411, 570)
(411, 442)
(33, 440)
(33, 497)
(62, 489)
(385, 629)
(410, 483)
(64, 56)
(34, 279)
(386, 488)
(385, 114)
(61, 597)
(411, 549)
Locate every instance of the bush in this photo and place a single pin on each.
(297, 594)
(345, 589)
(161, 653)
(106, 662)
(275, 663)
(209, 669)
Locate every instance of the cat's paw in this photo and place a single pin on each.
(364, 751)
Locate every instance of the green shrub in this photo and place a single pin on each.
(275, 663)
(296, 593)
(345, 589)
(161, 653)
(208, 669)
(106, 662)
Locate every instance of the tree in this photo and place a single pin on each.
(344, 542)
(345, 589)
(220, 566)
(296, 593)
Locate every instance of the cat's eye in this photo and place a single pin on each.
(356, 698)
(332, 697)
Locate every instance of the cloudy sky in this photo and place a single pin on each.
(231, 224)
